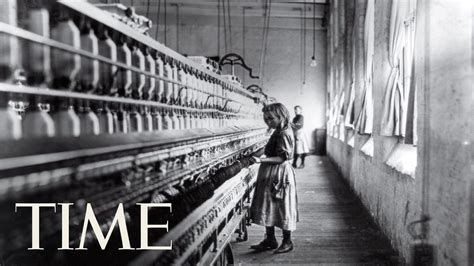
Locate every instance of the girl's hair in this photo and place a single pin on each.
(297, 106)
(280, 111)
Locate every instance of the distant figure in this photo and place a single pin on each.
(301, 145)
(275, 202)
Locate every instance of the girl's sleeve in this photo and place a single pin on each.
(284, 146)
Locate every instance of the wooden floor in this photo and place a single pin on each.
(334, 229)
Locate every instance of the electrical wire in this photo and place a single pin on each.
(166, 26)
(265, 36)
(229, 23)
(302, 59)
(304, 43)
(147, 8)
(158, 19)
(218, 27)
(266, 25)
(225, 27)
(314, 27)
(243, 38)
(177, 27)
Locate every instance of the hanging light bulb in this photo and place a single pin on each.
(313, 62)
(313, 58)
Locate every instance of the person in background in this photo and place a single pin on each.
(301, 145)
(275, 201)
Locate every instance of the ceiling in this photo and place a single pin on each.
(251, 8)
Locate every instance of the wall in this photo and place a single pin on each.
(283, 72)
(448, 98)
(443, 71)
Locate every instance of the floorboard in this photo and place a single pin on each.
(334, 228)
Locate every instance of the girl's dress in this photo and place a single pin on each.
(275, 201)
(302, 146)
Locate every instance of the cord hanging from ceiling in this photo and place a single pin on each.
(147, 8)
(225, 26)
(218, 28)
(177, 26)
(266, 25)
(302, 60)
(313, 58)
(158, 19)
(229, 23)
(243, 36)
(303, 48)
(166, 25)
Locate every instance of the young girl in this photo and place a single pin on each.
(275, 201)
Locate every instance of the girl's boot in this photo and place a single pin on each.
(269, 242)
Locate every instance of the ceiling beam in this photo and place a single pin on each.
(234, 2)
(205, 4)
(251, 22)
(189, 11)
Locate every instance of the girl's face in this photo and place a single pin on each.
(271, 120)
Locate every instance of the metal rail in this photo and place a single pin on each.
(97, 14)
(61, 171)
(225, 199)
(21, 89)
(33, 37)
(28, 155)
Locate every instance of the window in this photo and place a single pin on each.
(399, 95)
(339, 125)
(365, 118)
(350, 113)
(399, 111)
(410, 136)
(349, 117)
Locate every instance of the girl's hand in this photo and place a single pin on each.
(256, 159)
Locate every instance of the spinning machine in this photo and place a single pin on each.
(94, 111)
